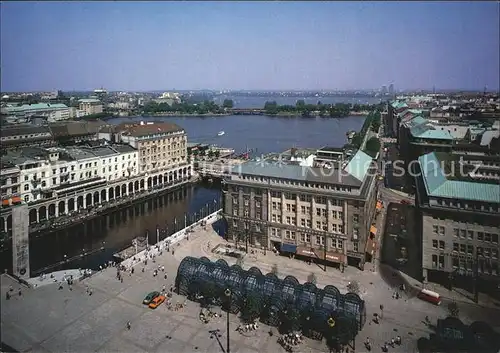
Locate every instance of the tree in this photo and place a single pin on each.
(300, 104)
(453, 309)
(356, 140)
(274, 270)
(228, 103)
(271, 108)
(251, 309)
(353, 287)
(373, 145)
(311, 278)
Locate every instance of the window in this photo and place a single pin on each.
(26, 187)
(470, 234)
(235, 212)
(441, 261)
(434, 243)
(318, 225)
(302, 222)
(288, 207)
(309, 223)
(287, 220)
(235, 224)
(355, 246)
(325, 226)
(257, 204)
(480, 236)
(26, 198)
(470, 249)
(245, 202)
(306, 238)
(456, 232)
(334, 214)
(487, 237)
(462, 248)
(355, 218)
(274, 206)
(274, 232)
(303, 209)
(434, 260)
(320, 240)
(334, 227)
(462, 233)
(441, 230)
(318, 211)
(323, 213)
(441, 245)
(246, 213)
(455, 246)
(435, 229)
(494, 238)
(355, 233)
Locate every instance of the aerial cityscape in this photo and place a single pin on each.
(250, 177)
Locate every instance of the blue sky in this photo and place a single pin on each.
(248, 45)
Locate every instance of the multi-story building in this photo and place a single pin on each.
(161, 145)
(417, 137)
(9, 182)
(460, 214)
(90, 106)
(51, 111)
(393, 109)
(24, 135)
(316, 213)
(46, 172)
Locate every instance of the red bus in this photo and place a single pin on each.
(429, 296)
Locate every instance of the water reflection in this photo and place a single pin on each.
(90, 244)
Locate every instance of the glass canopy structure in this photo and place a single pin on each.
(277, 302)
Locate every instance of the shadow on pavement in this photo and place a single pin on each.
(394, 279)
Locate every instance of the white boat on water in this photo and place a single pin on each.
(220, 133)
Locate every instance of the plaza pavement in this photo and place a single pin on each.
(46, 319)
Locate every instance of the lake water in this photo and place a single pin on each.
(116, 231)
(262, 133)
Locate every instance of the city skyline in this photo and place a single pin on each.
(249, 46)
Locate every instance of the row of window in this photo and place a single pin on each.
(467, 234)
(486, 266)
(300, 184)
(466, 249)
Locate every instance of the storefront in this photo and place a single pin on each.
(371, 244)
(320, 254)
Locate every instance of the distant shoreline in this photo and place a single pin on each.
(210, 115)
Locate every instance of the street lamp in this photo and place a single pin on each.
(228, 294)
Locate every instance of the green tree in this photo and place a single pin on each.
(356, 140)
(353, 287)
(271, 107)
(300, 104)
(251, 309)
(373, 145)
(274, 270)
(228, 103)
(453, 309)
(312, 278)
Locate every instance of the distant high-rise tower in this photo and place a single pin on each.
(391, 89)
(383, 90)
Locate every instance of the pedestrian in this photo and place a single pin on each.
(128, 325)
(165, 276)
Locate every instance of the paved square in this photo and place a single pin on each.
(46, 319)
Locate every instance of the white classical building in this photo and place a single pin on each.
(45, 171)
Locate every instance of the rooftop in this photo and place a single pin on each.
(435, 169)
(26, 129)
(352, 175)
(139, 130)
(427, 131)
(37, 106)
(89, 100)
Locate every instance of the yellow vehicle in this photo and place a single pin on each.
(157, 301)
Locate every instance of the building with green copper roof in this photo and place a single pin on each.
(279, 204)
(459, 203)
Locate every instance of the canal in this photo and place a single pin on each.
(91, 243)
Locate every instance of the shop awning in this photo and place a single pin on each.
(373, 230)
(288, 248)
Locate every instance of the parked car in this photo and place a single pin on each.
(150, 297)
(157, 301)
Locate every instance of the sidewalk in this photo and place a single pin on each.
(457, 294)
